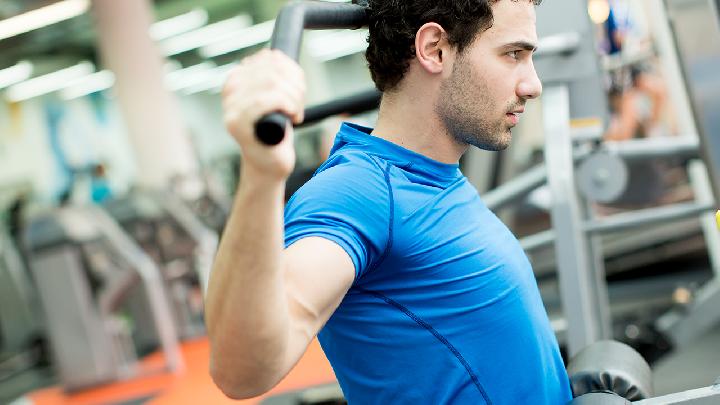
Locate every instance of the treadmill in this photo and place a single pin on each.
(86, 270)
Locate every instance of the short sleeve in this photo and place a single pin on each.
(348, 204)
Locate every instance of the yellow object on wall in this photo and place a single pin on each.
(16, 116)
(717, 219)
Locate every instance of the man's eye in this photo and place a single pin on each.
(514, 54)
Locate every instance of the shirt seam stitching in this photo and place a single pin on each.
(391, 222)
(437, 335)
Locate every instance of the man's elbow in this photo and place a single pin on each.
(238, 391)
(238, 385)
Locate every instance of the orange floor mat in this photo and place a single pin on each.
(192, 386)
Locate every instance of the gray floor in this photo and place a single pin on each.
(695, 366)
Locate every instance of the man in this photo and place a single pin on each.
(418, 292)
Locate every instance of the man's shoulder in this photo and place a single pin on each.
(345, 181)
(348, 202)
(354, 169)
(353, 160)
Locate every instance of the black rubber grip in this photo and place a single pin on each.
(270, 130)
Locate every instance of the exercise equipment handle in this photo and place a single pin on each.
(354, 104)
(287, 37)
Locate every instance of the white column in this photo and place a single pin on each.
(152, 116)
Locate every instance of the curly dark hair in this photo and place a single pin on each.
(394, 23)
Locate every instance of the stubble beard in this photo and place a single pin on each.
(466, 110)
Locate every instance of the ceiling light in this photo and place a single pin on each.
(250, 36)
(326, 46)
(189, 76)
(599, 11)
(41, 17)
(92, 83)
(181, 24)
(49, 83)
(204, 36)
(15, 74)
(215, 80)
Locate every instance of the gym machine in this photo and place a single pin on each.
(576, 234)
(696, 31)
(581, 173)
(611, 373)
(20, 326)
(607, 175)
(287, 37)
(86, 270)
(180, 245)
(211, 205)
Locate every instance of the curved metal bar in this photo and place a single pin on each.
(287, 37)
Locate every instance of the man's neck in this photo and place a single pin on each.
(408, 119)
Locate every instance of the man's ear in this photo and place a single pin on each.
(431, 47)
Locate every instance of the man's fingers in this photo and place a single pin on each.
(263, 105)
(290, 93)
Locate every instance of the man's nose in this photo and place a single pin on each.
(529, 86)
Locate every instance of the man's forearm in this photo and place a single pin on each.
(246, 309)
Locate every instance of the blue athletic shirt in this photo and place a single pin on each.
(444, 308)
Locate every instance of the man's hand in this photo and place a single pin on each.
(266, 82)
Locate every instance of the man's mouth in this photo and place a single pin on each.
(514, 114)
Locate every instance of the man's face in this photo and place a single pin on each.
(482, 98)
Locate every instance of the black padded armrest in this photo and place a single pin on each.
(610, 366)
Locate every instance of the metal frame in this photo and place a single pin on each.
(684, 325)
(515, 189)
(682, 147)
(207, 240)
(582, 278)
(701, 396)
(648, 216)
(575, 234)
(287, 37)
(583, 307)
(703, 102)
(153, 206)
(154, 287)
(19, 312)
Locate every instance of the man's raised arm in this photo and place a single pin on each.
(265, 304)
